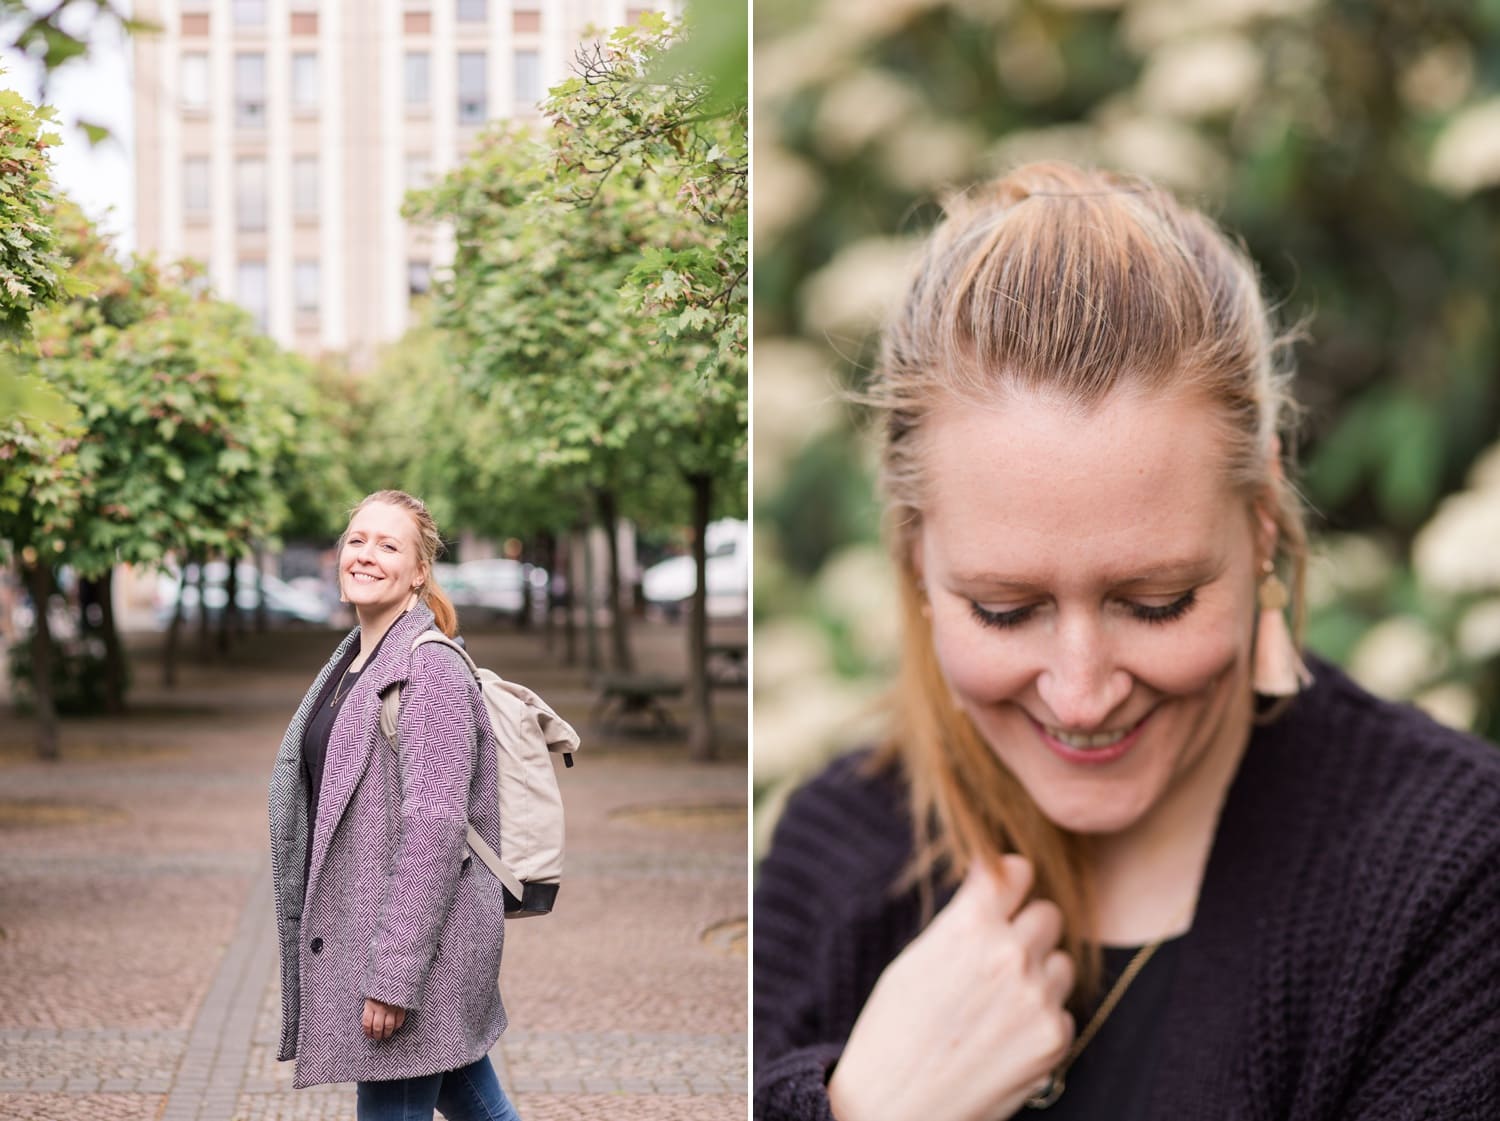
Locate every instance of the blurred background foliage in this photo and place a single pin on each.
(1353, 144)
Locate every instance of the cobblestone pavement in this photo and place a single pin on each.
(138, 975)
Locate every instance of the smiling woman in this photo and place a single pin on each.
(390, 936)
(1121, 855)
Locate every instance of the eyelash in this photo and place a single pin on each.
(1145, 613)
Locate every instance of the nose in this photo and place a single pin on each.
(1081, 684)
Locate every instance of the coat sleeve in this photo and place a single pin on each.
(438, 737)
(827, 923)
(795, 1048)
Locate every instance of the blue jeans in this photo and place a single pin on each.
(470, 1093)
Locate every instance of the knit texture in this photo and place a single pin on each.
(1343, 963)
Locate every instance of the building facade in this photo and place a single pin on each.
(276, 139)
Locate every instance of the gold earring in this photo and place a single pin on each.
(1279, 670)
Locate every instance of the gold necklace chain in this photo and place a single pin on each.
(1049, 1093)
(339, 685)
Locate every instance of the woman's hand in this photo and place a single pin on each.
(381, 1020)
(968, 1020)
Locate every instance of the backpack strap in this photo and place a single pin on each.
(390, 710)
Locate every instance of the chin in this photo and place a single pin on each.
(1093, 819)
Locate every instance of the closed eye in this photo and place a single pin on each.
(1166, 612)
(1000, 619)
(1145, 612)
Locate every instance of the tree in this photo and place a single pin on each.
(632, 116)
(597, 302)
(38, 426)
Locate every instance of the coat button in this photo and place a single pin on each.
(317, 945)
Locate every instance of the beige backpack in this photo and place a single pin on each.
(526, 731)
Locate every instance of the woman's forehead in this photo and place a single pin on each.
(384, 518)
(1031, 484)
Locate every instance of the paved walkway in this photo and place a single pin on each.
(137, 943)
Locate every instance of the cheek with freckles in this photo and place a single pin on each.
(981, 666)
(1195, 655)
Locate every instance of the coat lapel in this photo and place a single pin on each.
(357, 729)
(285, 783)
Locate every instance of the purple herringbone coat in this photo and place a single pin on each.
(395, 907)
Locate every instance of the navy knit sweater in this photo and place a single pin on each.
(1344, 960)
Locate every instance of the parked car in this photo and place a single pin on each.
(669, 584)
(283, 601)
(497, 585)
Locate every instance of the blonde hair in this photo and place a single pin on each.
(429, 545)
(1074, 283)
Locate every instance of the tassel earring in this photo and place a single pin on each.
(1279, 671)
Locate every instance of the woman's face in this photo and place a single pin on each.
(1091, 579)
(379, 567)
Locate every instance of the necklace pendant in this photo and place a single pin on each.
(1048, 1094)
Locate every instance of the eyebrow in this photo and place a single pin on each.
(1193, 570)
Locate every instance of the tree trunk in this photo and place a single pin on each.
(701, 743)
(262, 617)
(114, 651)
(39, 585)
(174, 630)
(619, 617)
(569, 599)
(592, 661)
(202, 585)
(229, 618)
(547, 555)
(528, 599)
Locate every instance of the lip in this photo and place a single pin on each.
(1092, 757)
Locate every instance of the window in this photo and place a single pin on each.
(528, 78)
(418, 78)
(305, 186)
(418, 171)
(251, 291)
(304, 81)
(525, 22)
(250, 90)
(196, 185)
(249, 13)
(471, 11)
(472, 97)
(250, 193)
(418, 277)
(305, 286)
(194, 78)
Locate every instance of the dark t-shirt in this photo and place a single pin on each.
(1112, 1075)
(319, 731)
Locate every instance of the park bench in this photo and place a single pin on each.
(728, 664)
(626, 695)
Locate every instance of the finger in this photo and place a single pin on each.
(400, 1019)
(1038, 925)
(1058, 976)
(367, 1021)
(387, 1023)
(1002, 885)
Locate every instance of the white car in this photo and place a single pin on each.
(497, 585)
(669, 584)
(283, 601)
